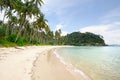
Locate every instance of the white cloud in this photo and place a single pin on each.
(60, 7)
(95, 28)
(110, 32)
(59, 26)
(64, 33)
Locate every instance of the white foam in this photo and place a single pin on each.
(60, 58)
(81, 73)
(74, 69)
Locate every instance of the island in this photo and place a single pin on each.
(84, 39)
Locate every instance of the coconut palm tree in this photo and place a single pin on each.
(27, 10)
(8, 15)
(5, 5)
(37, 2)
(41, 21)
(18, 14)
(57, 36)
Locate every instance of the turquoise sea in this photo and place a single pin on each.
(98, 63)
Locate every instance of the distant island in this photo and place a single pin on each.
(84, 39)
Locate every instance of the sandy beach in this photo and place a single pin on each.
(33, 63)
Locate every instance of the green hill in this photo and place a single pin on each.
(84, 39)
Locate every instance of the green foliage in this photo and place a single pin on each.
(35, 41)
(26, 41)
(84, 39)
(2, 32)
(20, 41)
(4, 42)
(51, 43)
(11, 38)
(18, 29)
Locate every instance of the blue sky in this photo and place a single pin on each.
(96, 16)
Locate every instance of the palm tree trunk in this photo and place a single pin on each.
(30, 35)
(12, 30)
(6, 32)
(20, 30)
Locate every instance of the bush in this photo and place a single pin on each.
(2, 32)
(35, 41)
(5, 43)
(20, 41)
(51, 43)
(12, 38)
(26, 40)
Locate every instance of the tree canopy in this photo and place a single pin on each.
(84, 39)
(18, 28)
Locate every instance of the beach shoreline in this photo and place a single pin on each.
(49, 67)
(33, 63)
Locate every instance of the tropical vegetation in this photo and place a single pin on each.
(84, 39)
(25, 23)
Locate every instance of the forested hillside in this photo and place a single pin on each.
(84, 39)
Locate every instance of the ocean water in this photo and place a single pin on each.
(98, 63)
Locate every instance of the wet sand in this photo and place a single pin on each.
(48, 67)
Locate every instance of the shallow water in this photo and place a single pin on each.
(99, 63)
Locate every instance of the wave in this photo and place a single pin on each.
(70, 67)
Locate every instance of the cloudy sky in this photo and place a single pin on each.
(96, 16)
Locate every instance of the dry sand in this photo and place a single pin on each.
(33, 63)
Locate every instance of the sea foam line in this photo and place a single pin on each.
(73, 70)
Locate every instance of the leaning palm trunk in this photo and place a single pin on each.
(24, 33)
(12, 30)
(6, 32)
(7, 29)
(33, 35)
(30, 35)
(20, 30)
